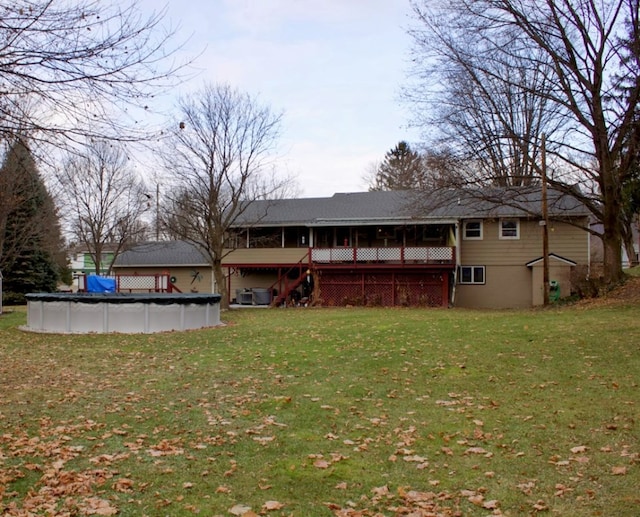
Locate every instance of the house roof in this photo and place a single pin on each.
(107, 247)
(554, 257)
(408, 207)
(366, 208)
(162, 253)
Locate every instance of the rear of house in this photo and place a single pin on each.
(447, 248)
(468, 249)
(501, 261)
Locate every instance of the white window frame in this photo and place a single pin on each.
(473, 237)
(501, 229)
(473, 270)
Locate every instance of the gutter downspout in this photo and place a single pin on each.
(458, 258)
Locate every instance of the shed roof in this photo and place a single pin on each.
(162, 253)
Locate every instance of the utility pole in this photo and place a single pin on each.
(157, 211)
(545, 223)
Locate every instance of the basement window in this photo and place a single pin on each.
(471, 275)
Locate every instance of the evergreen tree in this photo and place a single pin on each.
(401, 169)
(31, 256)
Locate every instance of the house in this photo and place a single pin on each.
(188, 269)
(81, 262)
(468, 248)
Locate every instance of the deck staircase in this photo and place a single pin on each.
(285, 285)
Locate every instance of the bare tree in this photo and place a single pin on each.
(220, 157)
(102, 200)
(76, 69)
(570, 70)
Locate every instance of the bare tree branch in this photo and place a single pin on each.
(82, 69)
(102, 200)
(221, 159)
(512, 70)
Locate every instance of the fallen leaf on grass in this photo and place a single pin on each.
(540, 506)
(619, 471)
(240, 510)
(581, 459)
(478, 450)
(578, 449)
(477, 499)
(381, 490)
(96, 506)
(272, 505)
(321, 464)
(414, 458)
(123, 485)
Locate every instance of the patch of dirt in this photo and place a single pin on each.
(625, 294)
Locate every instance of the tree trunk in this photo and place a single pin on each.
(612, 238)
(221, 283)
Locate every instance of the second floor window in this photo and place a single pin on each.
(472, 230)
(509, 229)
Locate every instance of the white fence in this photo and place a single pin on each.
(402, 255)
(135, 283)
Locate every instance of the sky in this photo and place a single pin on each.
(334, 68)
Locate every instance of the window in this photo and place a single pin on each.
(435, 234)
(471, 275)
(509, 229)
(265, 238)
(472, 230)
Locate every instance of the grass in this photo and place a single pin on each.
(320, 412)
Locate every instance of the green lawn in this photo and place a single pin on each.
(321, 412)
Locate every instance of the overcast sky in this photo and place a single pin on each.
(333, 67)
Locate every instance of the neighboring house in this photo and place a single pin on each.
(462, 248)
(82, 263)
(597, 247)
(187, 268)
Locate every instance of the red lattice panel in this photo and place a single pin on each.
(382, 289)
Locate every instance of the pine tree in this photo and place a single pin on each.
(30, 258)
(401, 169)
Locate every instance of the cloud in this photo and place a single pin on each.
(334, 68)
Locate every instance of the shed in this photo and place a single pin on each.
(559, 275)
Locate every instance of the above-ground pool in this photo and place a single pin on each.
(84, 313)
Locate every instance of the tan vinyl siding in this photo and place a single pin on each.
(508, 281)
(273, 256)
(565, 240)
(250, 280)
(188, 279)
(504, 287)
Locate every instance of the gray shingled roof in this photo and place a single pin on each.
(360, 208)
(163, 253)
(397, 207)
